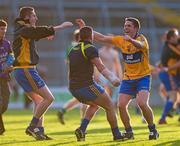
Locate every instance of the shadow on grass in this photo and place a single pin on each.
(102, 130)
(98, 130)
(61, 143)
(16, 129)
(107, 142)
(172, 143)
(118, 142)
(17, 122)
(17, 142)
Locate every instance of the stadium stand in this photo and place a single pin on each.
(106, 16)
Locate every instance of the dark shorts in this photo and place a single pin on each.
(132, 87)
(170, 82)
(28, 79)
(88, 93)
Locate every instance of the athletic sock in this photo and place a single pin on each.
(167, 107)
(62, 110)
(129, 130)
(116, 133)
(84, 125)
(34, 122)
(152, 127)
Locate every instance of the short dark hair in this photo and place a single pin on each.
(3, 22)
(86, 33)
(171, 33)
(25, 11)
(135, 21)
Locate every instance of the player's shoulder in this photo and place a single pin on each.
(88, 45)
(141, 37)
(6, 42)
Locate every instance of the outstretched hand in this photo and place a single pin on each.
(66, 24)
(80, 22)
(6, 68)
(116, 82)
(50, 37)
(63, 25)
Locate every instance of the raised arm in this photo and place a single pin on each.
(63, 25)
(97, 36)
(136, 43)
(37, 32)
(174, 66)
(102, 38)
(174, 49)
(105, 72)
(40, 32)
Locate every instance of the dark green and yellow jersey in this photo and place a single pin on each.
(169, 57)
(81, 68)
(24, 42)
(68, 49)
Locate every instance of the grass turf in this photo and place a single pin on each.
(98, 132)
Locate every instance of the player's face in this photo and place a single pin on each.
(33, 18)
(3, 30)
(175, 37)
(129, 28)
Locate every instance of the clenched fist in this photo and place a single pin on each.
(116, 82)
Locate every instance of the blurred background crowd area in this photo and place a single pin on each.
(105, 16)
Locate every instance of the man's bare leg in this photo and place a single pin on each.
(143, 102)
(123, 103)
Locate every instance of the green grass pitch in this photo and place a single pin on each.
(98, 132)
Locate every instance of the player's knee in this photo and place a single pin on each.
(3, 109)
(50, 99)
(108, 105)
(94, 108)
(142, 104)
(121, 104)
(37, 101)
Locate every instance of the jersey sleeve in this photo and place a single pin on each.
(143, 40)
(9, 48)
(10, 57)
(38, 32)
(118, 41)
(91, 53)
